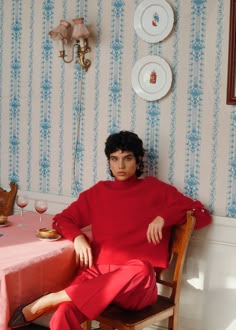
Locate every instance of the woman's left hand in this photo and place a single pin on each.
(154, 232)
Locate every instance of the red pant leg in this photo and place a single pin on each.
(67, 317)
(94, 289)
(140, 294)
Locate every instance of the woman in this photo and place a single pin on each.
(131, 222)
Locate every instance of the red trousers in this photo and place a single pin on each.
(131, 286)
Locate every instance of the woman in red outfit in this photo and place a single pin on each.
(131, 221)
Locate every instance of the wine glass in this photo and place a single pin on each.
(41, 206)
(22, 201)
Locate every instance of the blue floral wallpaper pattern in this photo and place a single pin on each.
(55, 117)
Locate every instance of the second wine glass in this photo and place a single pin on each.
(41, 206)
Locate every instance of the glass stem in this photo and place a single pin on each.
(21, 212)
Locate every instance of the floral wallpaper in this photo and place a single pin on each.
(55, 117)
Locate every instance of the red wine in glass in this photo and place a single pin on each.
(22, 201)
(40, 206)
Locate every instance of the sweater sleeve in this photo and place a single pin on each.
(69, 222)
(176, 205)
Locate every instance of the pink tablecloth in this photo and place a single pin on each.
(30, 267)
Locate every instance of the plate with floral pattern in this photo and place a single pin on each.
(153, 20)
(151, 77)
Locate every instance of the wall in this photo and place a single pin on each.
(54, 117)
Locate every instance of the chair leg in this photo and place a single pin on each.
(87, 325)
(173, 322)
(170, 323)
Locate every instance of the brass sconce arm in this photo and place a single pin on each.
(63, 55)
(84, 62)
(81, 51)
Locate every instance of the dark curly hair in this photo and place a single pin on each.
(126, 141)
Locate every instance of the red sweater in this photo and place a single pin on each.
(120, 211)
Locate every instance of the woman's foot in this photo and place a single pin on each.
(26, 314)
(37, 308)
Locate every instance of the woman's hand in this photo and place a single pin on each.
(154, 232)
(83, 251)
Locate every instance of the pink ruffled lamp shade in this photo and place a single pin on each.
(80, 31)
(60, 32)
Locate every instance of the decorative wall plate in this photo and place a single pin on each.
(153, 20)
(151, 77)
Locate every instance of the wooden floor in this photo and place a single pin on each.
(33, 327)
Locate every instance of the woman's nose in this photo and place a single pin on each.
(121, 164)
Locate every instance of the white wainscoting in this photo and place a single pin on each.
(208, 294)
(56, 203)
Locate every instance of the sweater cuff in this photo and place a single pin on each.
(69, 232)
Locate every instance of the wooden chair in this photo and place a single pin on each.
(166, 306)
(7, 200)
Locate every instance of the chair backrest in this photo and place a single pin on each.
(7, 199)
(178, 247)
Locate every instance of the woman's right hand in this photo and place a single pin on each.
(83, 251)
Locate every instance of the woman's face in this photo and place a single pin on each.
(122, 164)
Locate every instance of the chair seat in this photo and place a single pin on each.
(130, 318)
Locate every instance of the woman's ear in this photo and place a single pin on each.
(139, 161)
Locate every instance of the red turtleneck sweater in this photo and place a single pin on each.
(120, 211)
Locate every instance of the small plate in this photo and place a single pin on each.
(153, 20)
(151, 77)
(6, 224)
(48, 239)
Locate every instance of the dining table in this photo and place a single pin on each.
(31, 266)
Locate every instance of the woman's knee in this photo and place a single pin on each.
(66, 308)
(143, 267)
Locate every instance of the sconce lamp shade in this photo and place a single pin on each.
(79, 30)
(60, 32)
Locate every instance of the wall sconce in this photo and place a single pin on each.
(80, 35)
